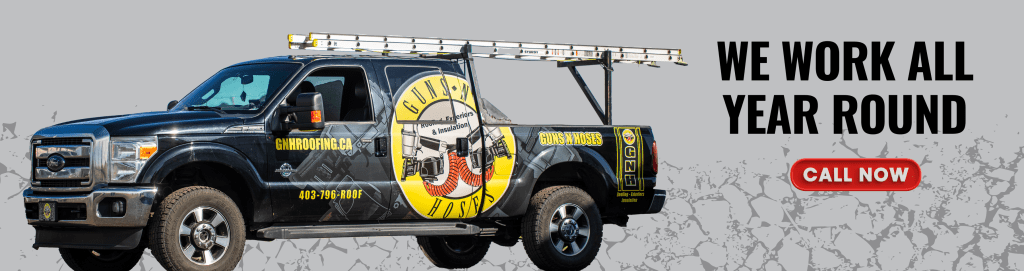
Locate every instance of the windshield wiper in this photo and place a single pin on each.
(204, 107)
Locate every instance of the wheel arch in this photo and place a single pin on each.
(580, 167)
(578, 174)
(213, 159)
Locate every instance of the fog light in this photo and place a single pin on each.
(117, 207)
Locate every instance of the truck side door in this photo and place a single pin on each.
(333, 174)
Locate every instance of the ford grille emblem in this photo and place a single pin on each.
(55, 162)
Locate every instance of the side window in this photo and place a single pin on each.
(345, 93)
(421, 95)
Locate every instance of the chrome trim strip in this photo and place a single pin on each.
(139, 202)
(43, 173)
(68, 151)
(246, 129)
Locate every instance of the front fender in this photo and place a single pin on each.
(159, 168)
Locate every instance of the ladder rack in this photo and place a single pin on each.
(567, 55)
(488, 49)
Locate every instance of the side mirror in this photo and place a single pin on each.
(308, 112)
(172, 104)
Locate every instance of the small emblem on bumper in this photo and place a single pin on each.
(47, 211)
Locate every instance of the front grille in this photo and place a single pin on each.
(68, 162)
(62, 183)
(64, 141)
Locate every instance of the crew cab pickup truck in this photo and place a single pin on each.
(328, 146)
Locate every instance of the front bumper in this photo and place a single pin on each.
(657, 202)
(90, 228)
(138, 203)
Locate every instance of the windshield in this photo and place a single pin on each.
(241, 89)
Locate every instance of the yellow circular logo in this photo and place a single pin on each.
(47, 210)
(432, 113)
(628, 136)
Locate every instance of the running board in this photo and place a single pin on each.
(366, 230)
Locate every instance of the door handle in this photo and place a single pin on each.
(380, 146)
(462, 147)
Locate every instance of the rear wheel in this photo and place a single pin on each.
(197, 228)
(562, 229)
(113, 260)
(454, 251)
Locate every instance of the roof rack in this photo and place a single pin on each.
(567, 55)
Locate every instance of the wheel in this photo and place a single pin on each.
(562, 229)
(454, 251)
(112, 260)
(197, 228)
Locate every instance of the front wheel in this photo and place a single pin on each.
(95, 260)
(454, 251)
(197, 228)
(562, 229)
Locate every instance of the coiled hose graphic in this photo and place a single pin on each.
(457, 168)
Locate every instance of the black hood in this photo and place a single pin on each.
(161, 122)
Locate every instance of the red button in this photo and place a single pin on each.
(855, 174)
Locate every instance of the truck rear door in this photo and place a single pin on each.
(434, 109)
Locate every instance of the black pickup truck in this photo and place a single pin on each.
(331, 146)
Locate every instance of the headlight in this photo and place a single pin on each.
(128, 155)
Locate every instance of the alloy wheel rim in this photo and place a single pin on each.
(204, 235)
(569, 228)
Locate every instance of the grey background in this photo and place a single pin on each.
(730, 204)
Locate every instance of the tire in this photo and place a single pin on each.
(96, 260)
(194, 219)
(454, 251)
(548, 235)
